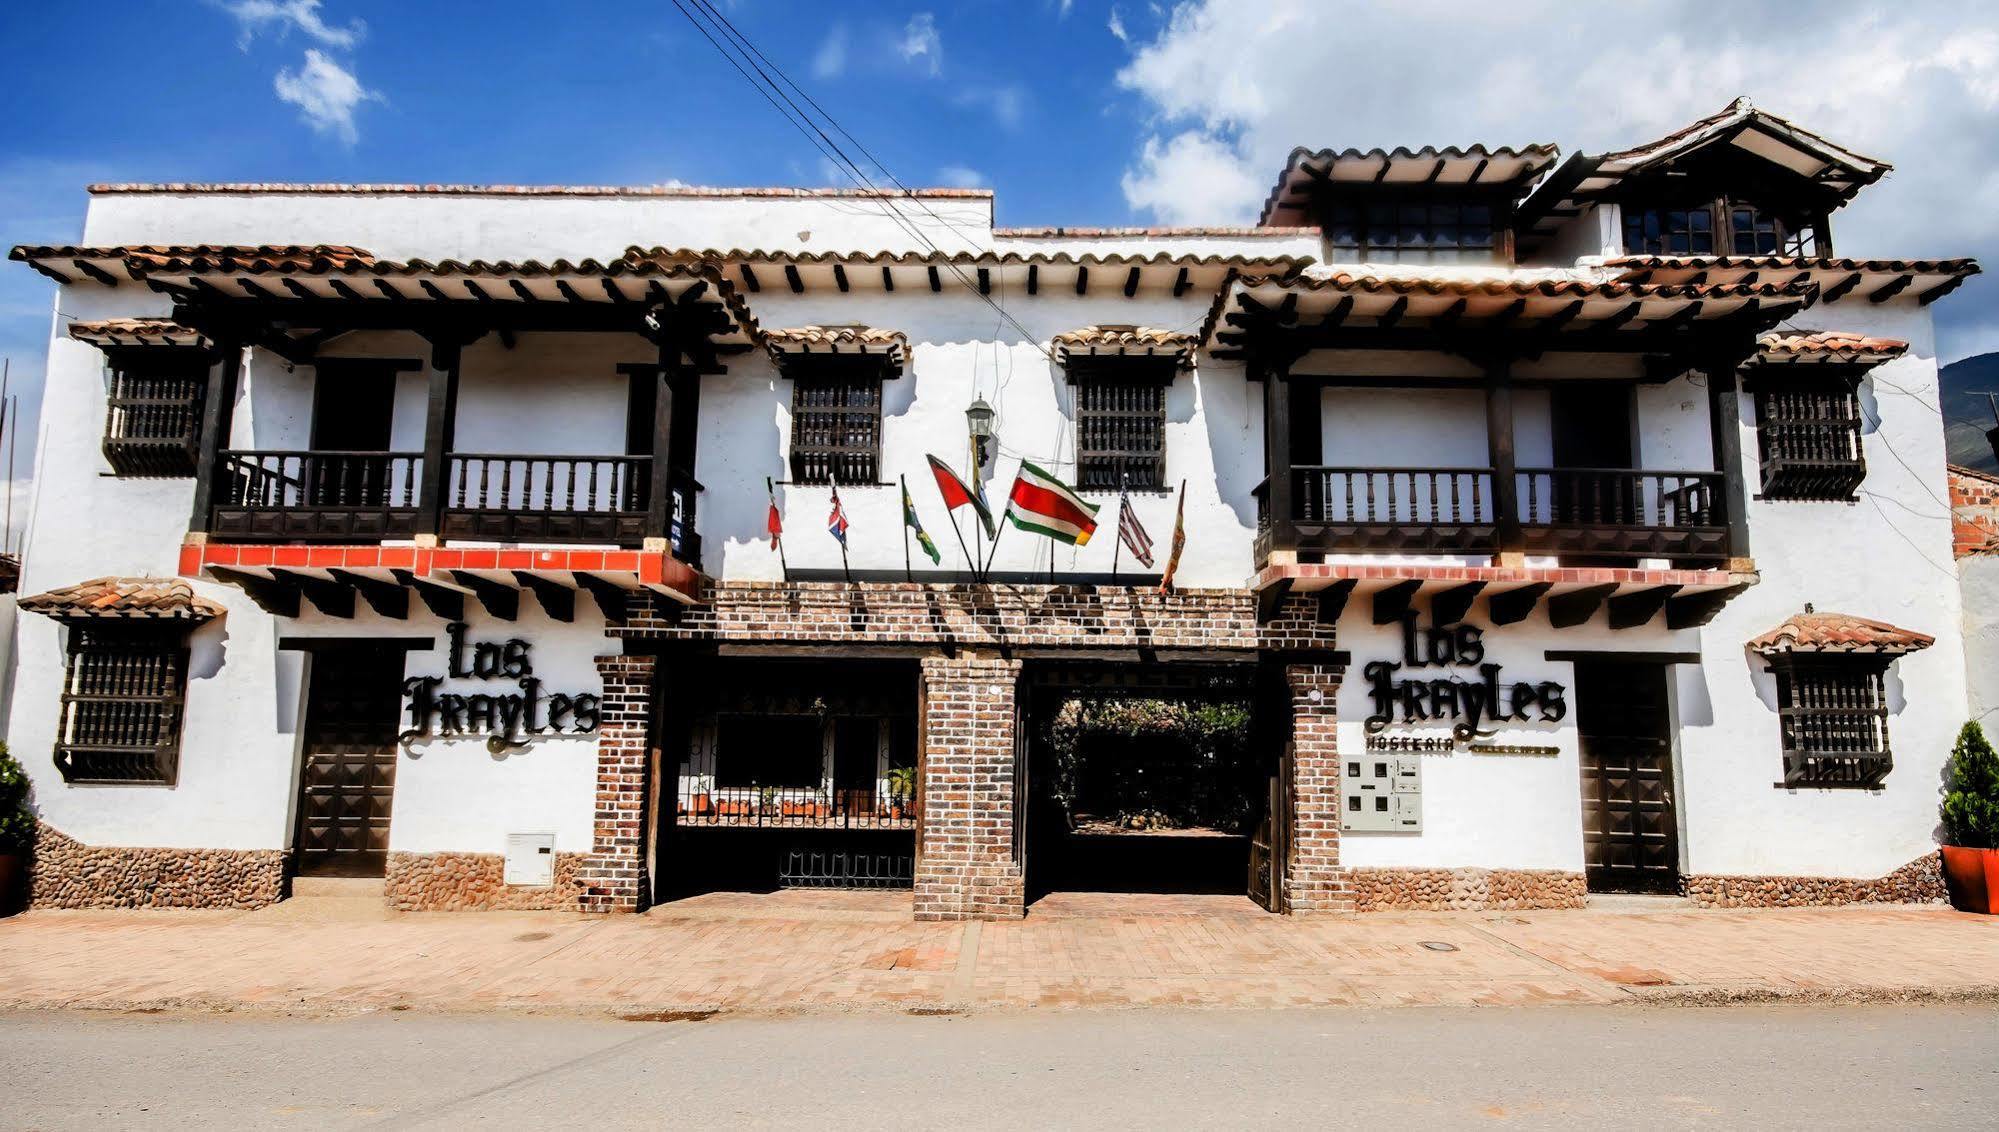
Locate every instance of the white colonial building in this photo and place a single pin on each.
(1551, 526)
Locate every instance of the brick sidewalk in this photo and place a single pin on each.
(762, 954)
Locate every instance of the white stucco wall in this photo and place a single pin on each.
(1979, 590)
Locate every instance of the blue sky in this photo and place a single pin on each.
(1077, 112)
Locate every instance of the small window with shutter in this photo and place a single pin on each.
(1834, 716)
(123, 690)
(152, 423)
(1121, 420)
(1808, 438)
(836, 429)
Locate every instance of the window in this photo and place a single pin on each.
(1669, 231)
(1808, 435)
(770, 750)
(836, 430)
(1411, 226)
(1121, 433)
(121, 703)
(1753, 231)
(152, 424)
(1834, 714)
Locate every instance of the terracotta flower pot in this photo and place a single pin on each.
(11, 874)
(1972, 878)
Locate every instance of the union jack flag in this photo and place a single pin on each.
(836, 523)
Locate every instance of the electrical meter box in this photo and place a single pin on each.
(1382, 793)
(530, 860)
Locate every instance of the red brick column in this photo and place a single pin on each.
(965, 868)
(614, 875)
(1313, 881)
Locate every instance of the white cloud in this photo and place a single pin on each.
(1117, 27)
(920, 42)
(1062, 8)
(326, 94)
(1192, 178)
(281, 16)
(962, 177)
(1233, 89)
(1007, 103)
(830, 61)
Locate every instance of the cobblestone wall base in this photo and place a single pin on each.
(465, 882)
(1464, 889)
(66, 873)
(1918, 882)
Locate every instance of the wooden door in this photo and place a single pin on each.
(1630, 830)
(347, 780)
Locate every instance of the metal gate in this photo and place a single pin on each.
(1269, 849)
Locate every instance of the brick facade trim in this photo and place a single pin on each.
(613, 877)
(965, 866)
(1313, 880)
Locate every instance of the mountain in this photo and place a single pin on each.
(1962, 386)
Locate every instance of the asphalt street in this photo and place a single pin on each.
(1771, 1067)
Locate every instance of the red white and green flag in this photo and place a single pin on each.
(1044, 505)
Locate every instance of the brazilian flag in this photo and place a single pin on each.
(909, 519)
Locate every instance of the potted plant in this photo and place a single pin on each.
(901, 791)
(1971, 823)
(17, 830)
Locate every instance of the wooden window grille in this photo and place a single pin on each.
(1808, 436)
(1834, 715)
(123, 691)
(152, 423)
(1411, 226)
(836, 430)
(1120, 434)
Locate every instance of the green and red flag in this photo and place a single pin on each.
(1046, 506)
(957, 495)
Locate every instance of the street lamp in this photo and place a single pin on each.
(979, 422)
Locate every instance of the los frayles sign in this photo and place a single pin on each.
(507, 719)
(1467, 704)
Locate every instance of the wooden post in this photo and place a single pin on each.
(218, 410)
(665, 411)
(1510, 547)
(1277, 466)
(1725, 430)
(440, 426)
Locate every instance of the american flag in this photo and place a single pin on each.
(1132, 534)
(836, 523)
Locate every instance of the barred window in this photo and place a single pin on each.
(123, 691)
(1834, 715)
(836, 430)
(1120, 433)
(1410, 225)
(152, 423)
(1808, 435)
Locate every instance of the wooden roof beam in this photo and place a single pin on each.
(1890, 289)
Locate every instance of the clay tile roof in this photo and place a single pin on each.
(1839, 633)
(1501, 167)
(1127, 340)
(1826, 346)
(839, 340)
(69, 263)
(1736, 113)
(162, 599)
(107, 332)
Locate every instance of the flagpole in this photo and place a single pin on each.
(1118, 546)
(844, 568)
(971, 561)
(998, 530)
(907, 507)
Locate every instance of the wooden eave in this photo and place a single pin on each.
(1878, 280)
(1504, 172)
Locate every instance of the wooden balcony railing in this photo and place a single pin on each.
(1596, 512)
(486, 497)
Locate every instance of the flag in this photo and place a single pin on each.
(922, 537)
(1132, 534)
(957, 495)
(836, 523)
(773, 522)
(1179, 541)
(1046, 506)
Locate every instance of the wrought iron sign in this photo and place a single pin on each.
(1404, 692)
(507, 720)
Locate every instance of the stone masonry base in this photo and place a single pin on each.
(1918, 882)
(66, 873)
(1463, 890)
(463, 882)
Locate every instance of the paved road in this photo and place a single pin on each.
(1772, 1067)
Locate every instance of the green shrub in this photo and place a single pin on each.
(1971, 794)
(17, 825)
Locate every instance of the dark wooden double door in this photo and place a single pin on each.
(347, 778)
(1631, 839)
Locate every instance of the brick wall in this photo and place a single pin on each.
(1313, 880)
(1974, 511)
(613, 877)
(964, 847)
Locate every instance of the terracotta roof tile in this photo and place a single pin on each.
(692, 191)
(1962, 265)
(1826, 346)
(1742, 110)
(1127, 340)
(1545, 287)
(893, 344)
(127, 598)
(70, 263)
(1839, 633)
(108, 332)
(1501, 167)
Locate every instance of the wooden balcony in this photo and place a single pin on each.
(1595, 513)
(364, 497)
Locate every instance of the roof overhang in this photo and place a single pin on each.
(1568, 596)
(803, 345)
(1004, 275)
(1813, 349)
(1122, 341)
(137, 333)
(1877, 280)
(111, 265)
(1504, 171)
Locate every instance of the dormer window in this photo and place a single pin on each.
(1669, 231)
(1387, 227)
(1719, 227)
